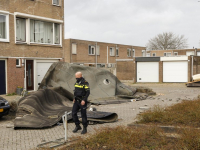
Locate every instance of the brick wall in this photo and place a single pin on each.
(83, 56)
(160, 71)
(15, 75)
(41, 8)
(126, 70)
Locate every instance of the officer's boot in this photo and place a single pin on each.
(78, 127)
(84, 130)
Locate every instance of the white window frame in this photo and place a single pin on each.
(133, 50)
(92, 52)
(56, 4)
(74, 51)
(98, 50)
(166, 54)
(143, 53)
(117, 51)
(112, 51)
(128, 52)
(175, 53)
(18, 65)
(154, 54)
(6, 14)
(148, 54)
(188, 53)
(33, 17)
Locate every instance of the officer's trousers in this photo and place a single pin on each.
(75, 109)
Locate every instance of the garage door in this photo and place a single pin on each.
(42, 68)
(175, 71)
(147, 72)
(2, 77)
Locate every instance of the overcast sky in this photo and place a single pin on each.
(132, 22)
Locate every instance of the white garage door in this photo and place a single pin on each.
(175, 71)
(42, 68)
(147, 72)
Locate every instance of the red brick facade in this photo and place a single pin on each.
(10, 50)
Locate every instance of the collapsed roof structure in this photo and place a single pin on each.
(45, 107)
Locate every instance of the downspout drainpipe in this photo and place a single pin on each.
(96, 54)
(192, 64)
(107, 56)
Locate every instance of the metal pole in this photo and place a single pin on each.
(66, 126)
(96, 55)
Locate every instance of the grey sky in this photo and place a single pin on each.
(132, 22)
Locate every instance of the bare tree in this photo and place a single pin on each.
(167, 40)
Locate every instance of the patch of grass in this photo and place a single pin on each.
(136, 138)
(124, 138)
(11, 94)
(186, 113)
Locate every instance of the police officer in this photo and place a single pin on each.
(81, 93)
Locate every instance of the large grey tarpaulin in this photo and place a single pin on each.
(45, 107)
(103, 84)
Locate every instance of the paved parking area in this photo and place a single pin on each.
(25, 139)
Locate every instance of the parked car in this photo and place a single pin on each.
(4, 107)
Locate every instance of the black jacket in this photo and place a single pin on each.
(82, 89)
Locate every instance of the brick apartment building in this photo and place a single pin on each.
(31, 37)
(175, 52)
(100, 54)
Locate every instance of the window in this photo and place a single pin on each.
(18, 63)
(154, 54)
(112, 51)
(57, 33)
(91, 50)
(4, 27)
(190, 53)
(98, 50)
(147, 54)
(129, 52)
(41, 32)
(20, 29)
(143, 53)
(31, 31)
(74, 49)
(133, 52)
(56, 2)
(167, 54)
(198, 53)
(117, 51)
(175, 53)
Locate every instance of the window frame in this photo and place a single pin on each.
(133, 51)
(98, 50)
(18, 65)
(176, 53)
(25, 30)
(92, 46)
(165, 54)
(128, 52)
(113, 51)
(6, 14)
(117, 51)
(143, 53)
(59, 1)
(149, 55)
(28, 28)
(75, 50)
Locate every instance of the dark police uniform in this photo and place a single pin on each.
(81, 92)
